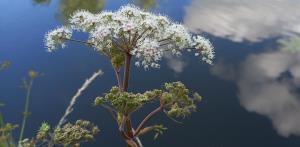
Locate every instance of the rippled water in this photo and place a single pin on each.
(251, 93)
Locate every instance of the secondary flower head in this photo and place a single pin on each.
(205, 48)
(131, 30)
(57, 37)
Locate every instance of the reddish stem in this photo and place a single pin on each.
(126, 71)
(143, 123)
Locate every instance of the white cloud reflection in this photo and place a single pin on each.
(239, 20)
(177, 64)
(268, 84)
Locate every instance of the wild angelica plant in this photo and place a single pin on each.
(67, 135)
(130, 34)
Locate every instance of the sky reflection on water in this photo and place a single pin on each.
(268, 84)
(258, 107)
(244, 20)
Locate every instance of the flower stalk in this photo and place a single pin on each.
(147, 118)
(28, 86)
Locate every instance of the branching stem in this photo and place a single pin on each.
(79, 41)
(146, 119)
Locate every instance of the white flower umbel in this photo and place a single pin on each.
(148, 53)
(57, 37)
(143, 35)
(205, 48)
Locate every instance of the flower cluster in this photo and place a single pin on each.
(41, 137)
(43, 131)
(176, 100)
(68, 135)
(124, 102)
(144, 35)
(57, 37)
(205, 48)
(148, 53)
(74, 134)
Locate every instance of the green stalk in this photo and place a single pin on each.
(26, 112)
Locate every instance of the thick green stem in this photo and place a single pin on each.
(26, 111)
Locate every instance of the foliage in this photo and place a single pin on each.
(176, 101)
(73, 135)
(68, 135)
(6, 134)
(43, 131)
(173, 98)
(123, 102)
